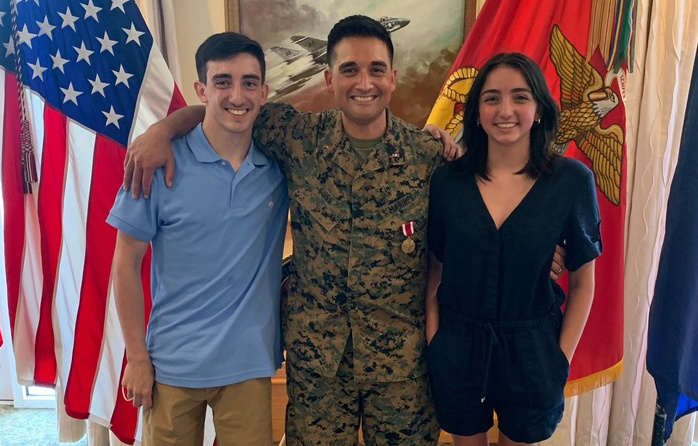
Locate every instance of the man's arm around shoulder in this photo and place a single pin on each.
(451, 149)
(153, 149)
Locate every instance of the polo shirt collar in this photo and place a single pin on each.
(256, 156)
(204, 153)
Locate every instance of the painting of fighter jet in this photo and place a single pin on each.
(316, 59)
(426, 36)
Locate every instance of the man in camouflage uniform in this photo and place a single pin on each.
(354, 323)
(354, 316)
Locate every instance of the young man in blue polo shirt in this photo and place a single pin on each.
(217, 237)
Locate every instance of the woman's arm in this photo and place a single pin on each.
(432, 304)
(580, 297)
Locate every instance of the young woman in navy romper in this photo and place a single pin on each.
(498, 340)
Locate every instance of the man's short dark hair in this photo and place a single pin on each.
(225, 45)
(357, 26)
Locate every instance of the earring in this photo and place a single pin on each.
(478, 123)
(538, 121)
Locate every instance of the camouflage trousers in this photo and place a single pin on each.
(328, 411)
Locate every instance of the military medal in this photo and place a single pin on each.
(408, 245)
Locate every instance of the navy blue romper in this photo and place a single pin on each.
(497, 347)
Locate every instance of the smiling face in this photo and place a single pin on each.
(507, 109)
(233, 94)
(362, 81)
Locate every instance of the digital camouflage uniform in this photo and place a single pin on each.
(351, 278)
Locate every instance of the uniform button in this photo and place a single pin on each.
(223, 163)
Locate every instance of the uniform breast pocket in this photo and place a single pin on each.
(312, 218)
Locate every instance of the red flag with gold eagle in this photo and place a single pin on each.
(573, 42)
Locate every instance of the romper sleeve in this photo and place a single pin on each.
(436, 239)
(583, 233)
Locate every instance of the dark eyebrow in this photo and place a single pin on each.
(346, 65)
(228, 76)
(221, 76)
(352, 64)
(515, 90)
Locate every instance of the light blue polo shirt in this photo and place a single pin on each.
(217, 238)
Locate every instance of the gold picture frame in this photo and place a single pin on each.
(232, 15)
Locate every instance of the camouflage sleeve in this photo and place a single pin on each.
(432, 151)
(273, 128)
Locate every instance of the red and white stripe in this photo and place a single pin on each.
(59, 249)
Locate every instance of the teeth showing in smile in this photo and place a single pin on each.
(506, 125)
(236, 112)
(364, 98)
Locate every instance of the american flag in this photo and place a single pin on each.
(90, 79)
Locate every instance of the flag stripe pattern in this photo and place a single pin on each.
(92, 81)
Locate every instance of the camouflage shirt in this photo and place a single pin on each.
(350, 275)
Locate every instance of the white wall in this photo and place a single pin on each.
(195, 20)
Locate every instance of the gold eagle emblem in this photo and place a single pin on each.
(455, 91)
(584, 101)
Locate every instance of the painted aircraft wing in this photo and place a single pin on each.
(310, 44)
(392, 24)
(287, 54)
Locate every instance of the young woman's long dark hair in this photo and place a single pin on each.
(542, 134)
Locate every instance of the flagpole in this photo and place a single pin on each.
(659, 425)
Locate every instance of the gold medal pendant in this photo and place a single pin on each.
(407, 230)
(408, 246)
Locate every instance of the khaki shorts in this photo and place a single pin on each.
(241, 414)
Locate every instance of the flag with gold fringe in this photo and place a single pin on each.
(583, 48)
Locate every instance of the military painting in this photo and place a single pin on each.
(427, 37)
